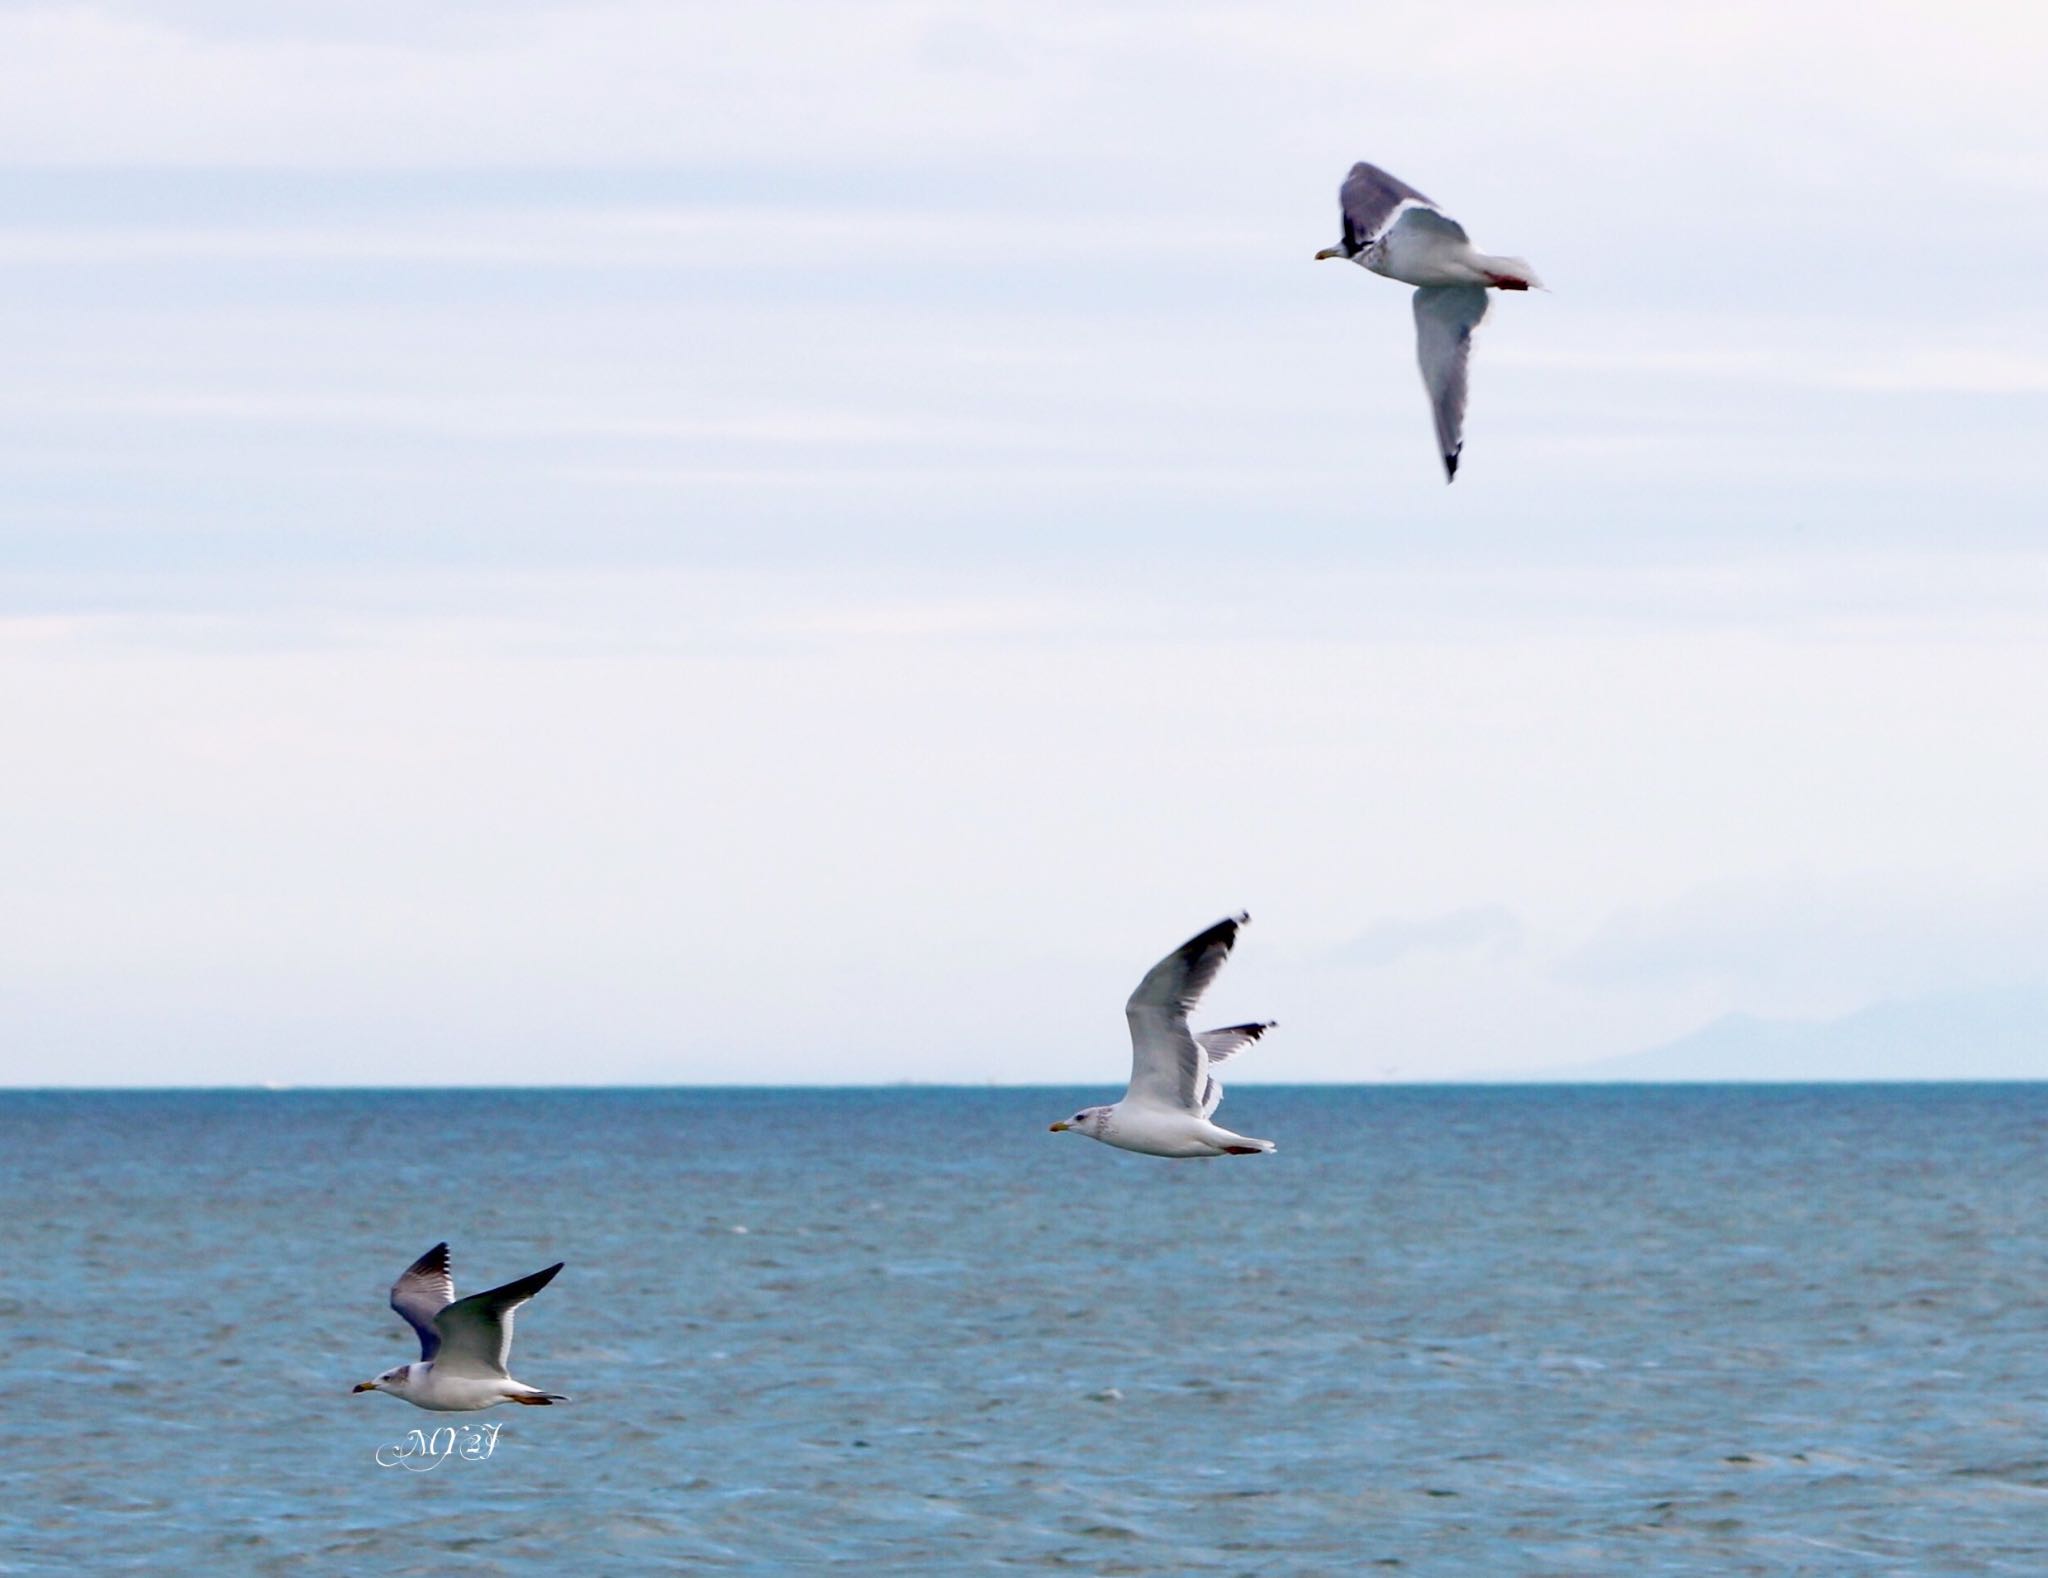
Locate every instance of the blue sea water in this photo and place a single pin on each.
(1443, 1331)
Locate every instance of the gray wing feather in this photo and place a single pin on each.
(476, 1332)
(1168, 1065)
(1370, 198)
(1221, 1044)
(1429, 221)
(1232, 1039)
(422, 1291)
(1445, 316)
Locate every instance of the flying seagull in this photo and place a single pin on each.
(463, 1342)
(1173, 1091)
(1394, 230)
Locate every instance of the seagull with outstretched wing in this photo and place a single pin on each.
(1394, 230)
(464, 1343)
(1166, 1111)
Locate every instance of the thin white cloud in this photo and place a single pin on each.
(1900, 368)
(485, 418)
(760, 237)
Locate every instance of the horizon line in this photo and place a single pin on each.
(1458, 1082)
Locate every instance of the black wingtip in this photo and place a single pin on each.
(520, 1288)
(1450, 468)
(1223, 933)
(433, 1262)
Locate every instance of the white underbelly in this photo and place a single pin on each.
(458, 1394)
(1160, 1133)
(1427, 260)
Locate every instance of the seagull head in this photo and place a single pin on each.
(1089, 1120)
(390, 1381)
(1366, 254)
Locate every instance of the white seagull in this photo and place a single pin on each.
(463, 1342)
(1166, 1110)
(1394, 230)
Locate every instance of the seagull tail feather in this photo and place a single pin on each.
(1510, 274)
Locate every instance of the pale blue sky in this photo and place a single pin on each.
(812, 541)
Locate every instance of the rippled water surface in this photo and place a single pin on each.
(1455, 1331)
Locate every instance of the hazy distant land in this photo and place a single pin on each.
(1997, 1034)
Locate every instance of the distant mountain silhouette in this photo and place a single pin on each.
(2000, 1033)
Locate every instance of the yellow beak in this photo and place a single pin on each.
(1059, 1128)
(363, 1386)
(1328, 252)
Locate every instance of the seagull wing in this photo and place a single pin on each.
(1168, 1066)
(1445, 316)
(476, 1332)
(1232, 1039)
(1221, 1044)
(1426, 224)
(421, 1292)
(1371, 200)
